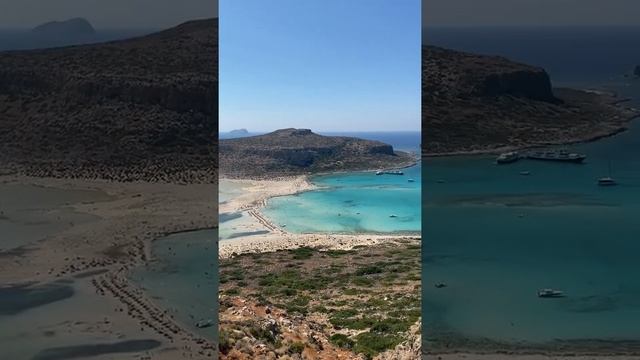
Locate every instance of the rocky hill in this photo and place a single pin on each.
(300, 151)
(477, 103)
(137, 109)
(71, 27)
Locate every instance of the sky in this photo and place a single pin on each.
(530, 12)
(325, 65)
(106, 14)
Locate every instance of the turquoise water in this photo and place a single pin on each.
(353, 203)
(183, 277)
(496, 237)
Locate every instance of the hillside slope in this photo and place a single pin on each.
(477, 103)
(300, 151)
(137, 109)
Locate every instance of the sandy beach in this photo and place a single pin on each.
(95, 257)
(255, 194)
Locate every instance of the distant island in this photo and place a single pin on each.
(476, 103)
(238, 133)
(136, 109)
(71, 27)
(300, 151)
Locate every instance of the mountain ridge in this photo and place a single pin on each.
(291, 151)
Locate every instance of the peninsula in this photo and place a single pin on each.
(290, 152)
(477, 103)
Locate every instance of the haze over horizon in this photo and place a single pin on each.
(113, 14)
(530, 12)
(328, 65)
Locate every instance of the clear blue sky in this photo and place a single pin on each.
(327, 65)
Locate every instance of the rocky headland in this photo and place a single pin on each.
(138, 109)
(289, 152)
(476, 103)
(71, 27)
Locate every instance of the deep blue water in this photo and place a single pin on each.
(496, 237)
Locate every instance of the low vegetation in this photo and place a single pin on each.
(363, 301)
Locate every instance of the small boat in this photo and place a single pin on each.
(608, 180)
(411, 180)
(379, 172)
(525, 173)
(508, 157)
(393, 216)
(561, 156)
(205, 323)
(550, 293)
(440, 285)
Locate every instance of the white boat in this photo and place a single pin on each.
(550, 293)
(608, 180)
(508, 157)
(525, 173)
(411, 180)
(393, 216)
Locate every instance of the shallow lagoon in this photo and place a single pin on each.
(183, 277)
(352, 203)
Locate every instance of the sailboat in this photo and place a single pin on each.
(607, 181)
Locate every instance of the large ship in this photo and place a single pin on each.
(561, 155)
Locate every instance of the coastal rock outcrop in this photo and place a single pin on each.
(478, 103)
(301, 151)
(71, 27)
(138, 109)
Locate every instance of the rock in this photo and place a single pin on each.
(71, 27)
(477, 103)
(300, 151)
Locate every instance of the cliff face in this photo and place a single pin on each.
(144, 108)
(480, 103)
(300, 151)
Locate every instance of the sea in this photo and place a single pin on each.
(183, 278)
(347, 203)
(495, 237)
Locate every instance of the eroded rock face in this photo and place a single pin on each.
(300, 151)
(480, 103)
(138, 109)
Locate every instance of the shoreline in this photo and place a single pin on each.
(621, 127)
(105, 251)
(277, 238)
